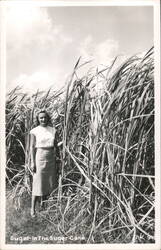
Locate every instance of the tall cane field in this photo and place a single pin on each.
(105, 125)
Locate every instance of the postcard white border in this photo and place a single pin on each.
(36, 3)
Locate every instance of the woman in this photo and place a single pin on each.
(43, 154)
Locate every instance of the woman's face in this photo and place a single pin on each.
(43, 119)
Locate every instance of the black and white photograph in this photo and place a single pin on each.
(80, 122)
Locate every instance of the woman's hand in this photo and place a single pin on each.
(33, 167)
(33, 153)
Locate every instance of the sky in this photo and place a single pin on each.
(44, 43)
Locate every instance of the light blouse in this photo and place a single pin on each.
(44, 136)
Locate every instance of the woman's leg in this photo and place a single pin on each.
(33, 204)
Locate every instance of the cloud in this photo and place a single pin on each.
(86, 48)
(106, 50)
(34, 41)
(39, 80)
(32, 25)
(101, 53)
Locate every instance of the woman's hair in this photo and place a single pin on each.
(47, 115)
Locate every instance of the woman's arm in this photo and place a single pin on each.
(33, 153)
(56, 145)
(57, 152)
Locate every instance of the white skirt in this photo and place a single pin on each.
(45, 179)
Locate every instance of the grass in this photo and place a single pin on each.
(107, 182)
(19, 223)
(21, 228)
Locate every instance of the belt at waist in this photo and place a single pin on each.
(46, 148)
